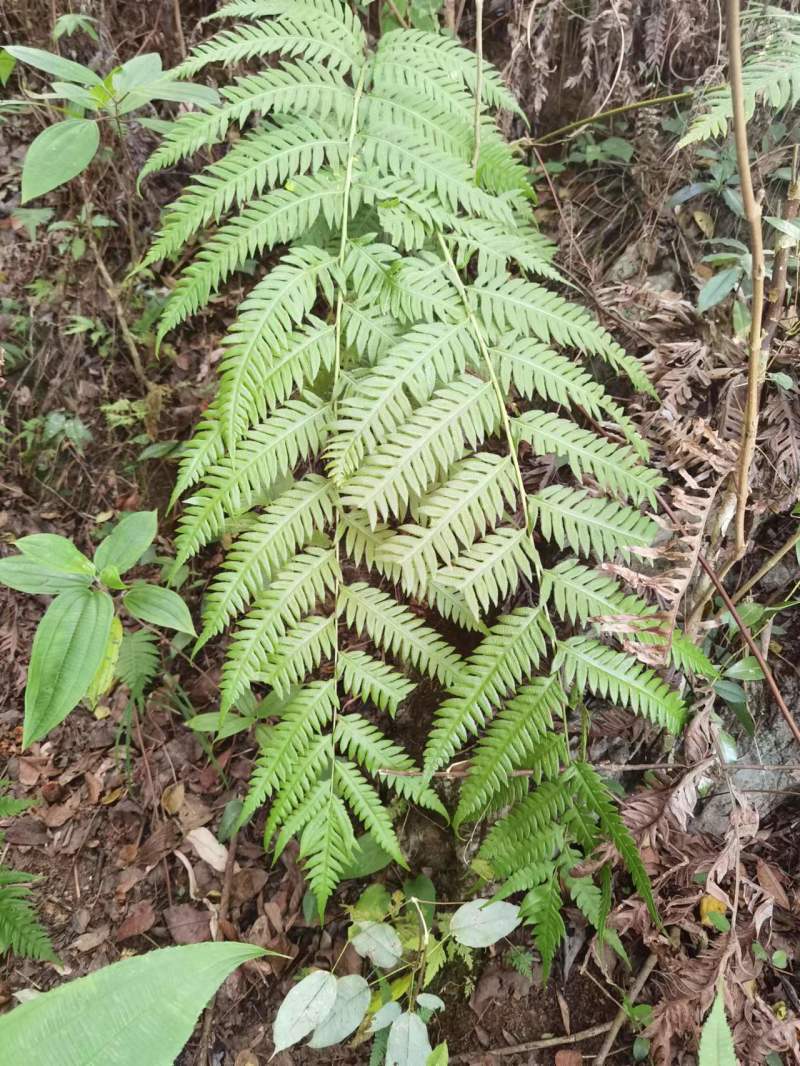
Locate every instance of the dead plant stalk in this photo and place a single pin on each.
(752, 211)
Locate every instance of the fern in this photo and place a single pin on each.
(138, 662)
(392, 360)
(20, 929)
(770, 74)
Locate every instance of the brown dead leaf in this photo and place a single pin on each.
(769, 880)
(208, 848)
(194, 813)
(247, 884)
(246, 1058)
(91, 940)
(569, 1058)
(94, 787)
(60, 813)
(141, 919)
(130, 877)
(172, 797)
(160, 843)
(187, 924)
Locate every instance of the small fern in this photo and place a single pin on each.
(770, 73)
(396, 353)
(20, 929)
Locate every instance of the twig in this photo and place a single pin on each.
(600, 116)
(224, 904)
(176, 14)
(780, 266)
(450, 16)
(773, 561)
(752, 211)
(619, 1021)
(478, 80)
(545, 1042)
(113, 295)
(747, 636)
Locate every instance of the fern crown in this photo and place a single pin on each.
(384, 374)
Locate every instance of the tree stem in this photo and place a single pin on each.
(752, 211)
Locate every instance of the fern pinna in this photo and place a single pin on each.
(20, 930)
(384, 372)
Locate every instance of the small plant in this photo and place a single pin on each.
(65, 149)
(80, 646)
(20, 931)
(405, 941)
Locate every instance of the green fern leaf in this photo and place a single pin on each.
(580, 595)
(373, 681)
(486, 573)
(20, 929)
(589, 524)
(541, 909)
(620, 678)
(509, 653)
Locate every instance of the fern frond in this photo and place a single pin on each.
(515, 304)
(369, 332)
(496, 245)
(620, 678)
(293, 88)
(471, 501)
(510, 842)
(327, 844)
(199, 454)
(510, 741)
(373, 681)
(593, 792)
(381, 401)
(487, 572)
(580, 594)
(262, 158)
(296, 590)
(253, 384)
(446, 54)
(417, 288)
(20, 929)
(399, 632)
(300, 652)
(277, 218)
(138, 661)
(541, 909)
(286, 524)
(302, 718)
(509, 653)
(589, 524)
(365, 802)
(362, 741)
(234, 484)
(614, 466)
(315, 35)
(433, 438)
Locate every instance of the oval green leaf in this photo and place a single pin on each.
(716, 1041)
(55, 553)
(53, 64)
(307, 1005)
(408, 1042)
(57, 155)
(25, 575)
(479, 924)
(67, 651)
(128, 541)
(160, 607)
(352, 1000)
(377, 942)
(141, 1010)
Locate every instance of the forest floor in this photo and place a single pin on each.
(119, 832)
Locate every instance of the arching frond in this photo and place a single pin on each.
(589, 524)
(373, 681)
(485, 573)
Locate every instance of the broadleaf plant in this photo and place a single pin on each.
(79, 648)
(399, 351)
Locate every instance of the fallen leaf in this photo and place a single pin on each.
(112, 796)
(159, 844)
(142, 918)
(93, 786)
(194, 813)
(187, 924)
(60, 813)
(569, 1058)
(247, 883)
(209, 848)
(130, 877)
(172, 797)
(91, 940)
(246, 1058)
(769, 881)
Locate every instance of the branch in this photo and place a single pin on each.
(752, 211)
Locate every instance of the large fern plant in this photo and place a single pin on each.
(397, 351)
